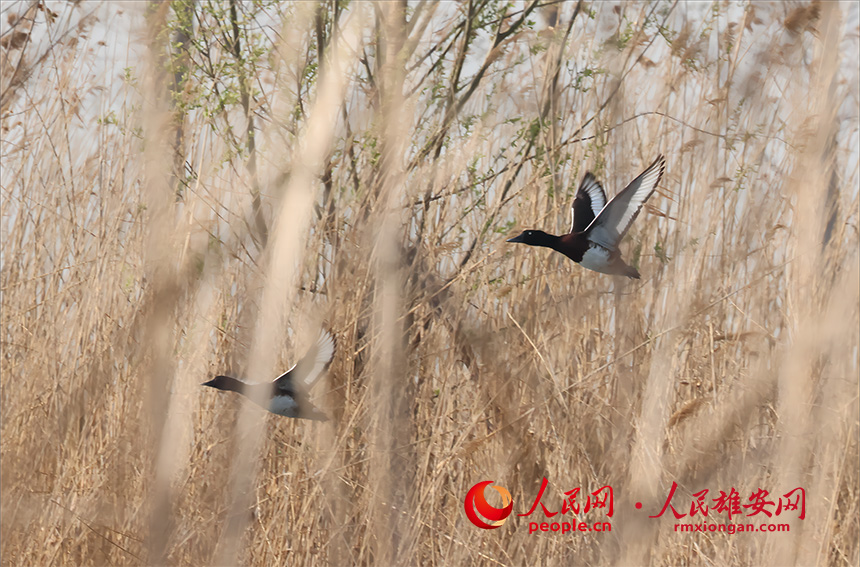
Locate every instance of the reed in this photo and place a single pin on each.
(195, 188)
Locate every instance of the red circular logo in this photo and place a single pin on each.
(475, 504)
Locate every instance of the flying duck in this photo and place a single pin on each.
(599, 226)
(287, 395)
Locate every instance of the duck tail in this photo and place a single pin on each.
(631, 272)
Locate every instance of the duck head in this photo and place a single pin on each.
(535, 238)
(225, 383)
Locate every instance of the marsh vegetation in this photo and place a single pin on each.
(194, 188)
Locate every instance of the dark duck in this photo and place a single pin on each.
(599, 226)
(288, 394)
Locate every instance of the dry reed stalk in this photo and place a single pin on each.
(156, 233)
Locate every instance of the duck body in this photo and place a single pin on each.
(581, 250)
(598, 226)
(287, 395)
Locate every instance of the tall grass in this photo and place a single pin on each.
(191, 189)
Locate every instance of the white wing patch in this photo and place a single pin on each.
(612, 223)
(590, 186)
(310, 368)
(598, 198)
(324, 354)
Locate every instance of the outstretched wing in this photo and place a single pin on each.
(612, 222)
(590, 200)
(310, 368)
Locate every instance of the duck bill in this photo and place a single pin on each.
(520, 238)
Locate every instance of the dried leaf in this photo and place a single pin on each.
(686, 411)
(692, 144)
(14, 40)
(801, 19)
